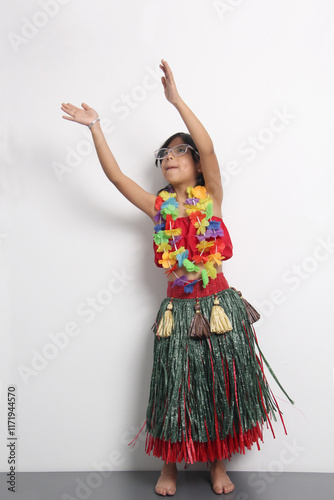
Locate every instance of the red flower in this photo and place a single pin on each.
(158, 202)
(195, 216)
(199, 258)
(218, 246)
(169, 222)
(169, 271)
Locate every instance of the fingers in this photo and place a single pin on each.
(67, 105)
(163, 66)
(165, 63)
(72, 110)
(166, 69)
(68, 108)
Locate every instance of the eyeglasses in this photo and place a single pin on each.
(178, 150)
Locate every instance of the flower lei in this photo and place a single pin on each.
(209, 233)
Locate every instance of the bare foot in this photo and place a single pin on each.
(221, 483)
(166, 484)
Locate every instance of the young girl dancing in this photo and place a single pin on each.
(209, 397)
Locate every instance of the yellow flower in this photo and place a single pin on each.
(164, 247)
(212, 272)
(199, 192)
(216, 258)
(201, 226)
(166, 261)
(173, 232)
(204, 245)
(179, 250)
(191, 209)
(165, 195)
(203, 204)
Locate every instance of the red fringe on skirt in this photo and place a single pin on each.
(193, 451)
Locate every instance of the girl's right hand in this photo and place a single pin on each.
(84, 116)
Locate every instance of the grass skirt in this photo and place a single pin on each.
(209, 398)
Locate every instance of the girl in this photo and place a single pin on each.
(208, 395)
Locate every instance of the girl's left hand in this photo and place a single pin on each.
(170, 89)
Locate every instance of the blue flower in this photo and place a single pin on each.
(214, 224)
(181, 256)
(159, 227)
(170, 201)
(189, 288)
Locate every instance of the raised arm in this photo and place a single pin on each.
(209, 162)
(130, 189)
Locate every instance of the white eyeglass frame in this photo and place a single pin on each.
(171, 150)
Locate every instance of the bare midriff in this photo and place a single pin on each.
(191, 276)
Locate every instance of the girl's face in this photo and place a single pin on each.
(179, 169)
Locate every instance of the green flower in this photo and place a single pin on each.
(160, 237)
(170, 210)
(205, 278)
(190, 266)
(209, 211)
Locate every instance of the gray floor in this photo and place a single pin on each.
(190, 485)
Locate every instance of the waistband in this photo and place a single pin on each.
(214, 286)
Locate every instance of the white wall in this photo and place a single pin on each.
(65, 230)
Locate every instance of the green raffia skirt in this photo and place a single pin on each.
(209, 397)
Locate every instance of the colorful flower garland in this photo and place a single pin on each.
(209, 233)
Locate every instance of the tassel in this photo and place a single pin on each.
(166, 323)
(252, 313)
(219, 322)
(199, 327)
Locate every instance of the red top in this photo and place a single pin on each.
(189, 240)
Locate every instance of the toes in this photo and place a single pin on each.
(229, 488)
(221, 488)
(165, 491)
(161, 491)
